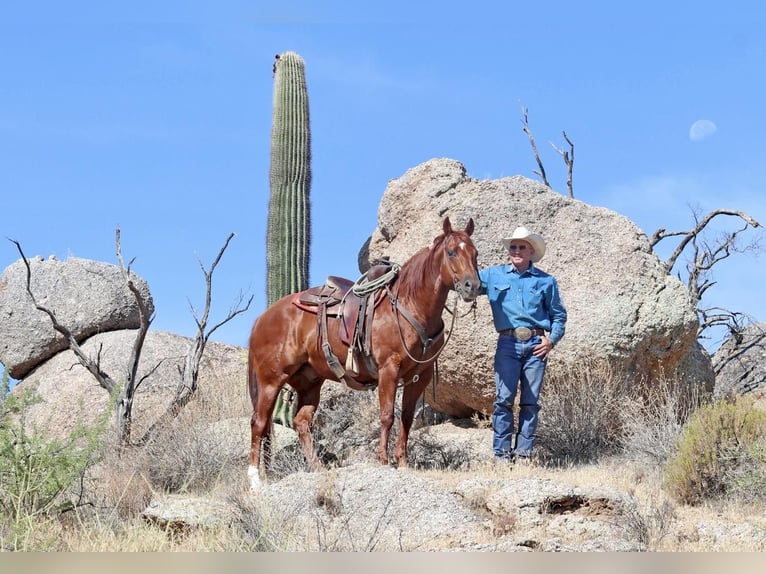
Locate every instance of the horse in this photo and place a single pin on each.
(406, 335)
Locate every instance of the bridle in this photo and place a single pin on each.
(426, 340)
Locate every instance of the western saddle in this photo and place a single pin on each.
(354, 305)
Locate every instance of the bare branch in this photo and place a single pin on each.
(568, 160)
(733, 321)
(740, 347)
(705, 255)
(149, 373)
(527, 131)
(104, 380)
(661, 234)
(690, 235)
(125, 402)
(188, 376)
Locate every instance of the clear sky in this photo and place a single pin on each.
(156, 116)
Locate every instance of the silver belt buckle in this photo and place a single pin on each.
(522, 333)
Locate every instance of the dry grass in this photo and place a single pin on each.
(597, 437)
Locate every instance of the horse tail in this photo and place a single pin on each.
(252, 379)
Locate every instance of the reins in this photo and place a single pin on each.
(364, 286)
(425, 340)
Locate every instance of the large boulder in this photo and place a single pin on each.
(70, 395)
(622, 303)
(87, 297)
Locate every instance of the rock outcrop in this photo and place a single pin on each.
(622, 303)
(70, 394)
(87, 297)
(740, 363)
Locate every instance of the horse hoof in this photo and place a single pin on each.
(255, 479)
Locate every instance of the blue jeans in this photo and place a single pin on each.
(514, 363)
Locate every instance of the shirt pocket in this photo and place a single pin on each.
(499, 292)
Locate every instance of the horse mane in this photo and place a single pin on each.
(417, 269)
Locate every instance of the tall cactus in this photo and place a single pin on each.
(289, 220)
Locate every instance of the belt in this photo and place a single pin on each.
(522, 333)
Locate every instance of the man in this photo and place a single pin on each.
(526, 305)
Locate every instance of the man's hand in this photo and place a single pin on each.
(543, 348)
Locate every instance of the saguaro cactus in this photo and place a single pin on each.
(289, 220)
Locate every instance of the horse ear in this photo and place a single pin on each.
(447, 226)
(469, 227)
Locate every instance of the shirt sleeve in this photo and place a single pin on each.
(558, 314)
(484, 280)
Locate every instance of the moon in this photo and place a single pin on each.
(701, 130)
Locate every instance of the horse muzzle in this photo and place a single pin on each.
(468, 289)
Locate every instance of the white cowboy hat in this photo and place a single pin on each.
(536, 241)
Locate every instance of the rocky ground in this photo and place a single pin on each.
(611, 506)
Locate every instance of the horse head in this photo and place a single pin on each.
(461, 260)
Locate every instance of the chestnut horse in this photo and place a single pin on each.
(407, 335)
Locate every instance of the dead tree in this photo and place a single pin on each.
(124, 395)
(704, 256)
(541, 172)
(189, 373)
(568, 156)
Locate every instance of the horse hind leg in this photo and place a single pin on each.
(257, 437)
(308, 401)
(260, 431)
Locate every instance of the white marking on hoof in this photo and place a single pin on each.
(255, 478)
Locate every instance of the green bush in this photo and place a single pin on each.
(720, 451)
(35, 472)
(747, 480)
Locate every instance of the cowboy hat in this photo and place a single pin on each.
(536, 241)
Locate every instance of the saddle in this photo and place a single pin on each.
(354, 310)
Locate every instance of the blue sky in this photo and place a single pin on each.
(156, 116)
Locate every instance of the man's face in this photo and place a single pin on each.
(521, 251)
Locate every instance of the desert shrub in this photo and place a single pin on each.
(581, 403)
(429, 451)
(39, 477)
(193, 454)
(652, 421)
(207, 441)
(720, 451)
(746, 480)
(649, 524)
(260, 527)
(346, 423)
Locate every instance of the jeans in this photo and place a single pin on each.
(514, 364)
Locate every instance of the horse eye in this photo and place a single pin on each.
(451, 252)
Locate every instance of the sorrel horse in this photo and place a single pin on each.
(407, 334)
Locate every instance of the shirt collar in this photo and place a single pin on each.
(532, 270)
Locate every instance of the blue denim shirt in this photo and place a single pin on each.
(530, 299)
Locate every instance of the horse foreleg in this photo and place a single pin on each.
(410, 397)
(386, 398)
(308, 400)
